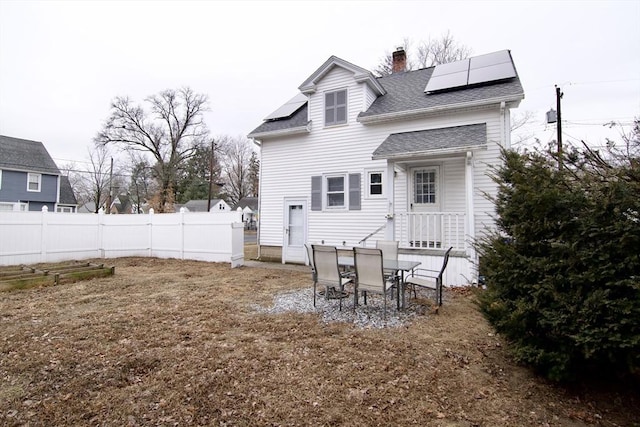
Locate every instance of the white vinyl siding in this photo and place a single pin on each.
(336, 150)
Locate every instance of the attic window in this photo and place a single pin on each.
(335, 108)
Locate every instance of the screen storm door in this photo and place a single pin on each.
(425, 207)
(295, 230)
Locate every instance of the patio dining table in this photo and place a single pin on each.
(393, 265)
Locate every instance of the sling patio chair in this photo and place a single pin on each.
(430, 279)
(389, 251)
(325, 261)
(370, 277)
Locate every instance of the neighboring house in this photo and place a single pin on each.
(249, 207)
(122, 204)
(68, 202)
(355, 158)
(217, 205)
(30, 179)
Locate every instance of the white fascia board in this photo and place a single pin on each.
(281, 132)
(400, 115)
(430, 153)
(360, 75)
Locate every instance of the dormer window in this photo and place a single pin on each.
(335, 108)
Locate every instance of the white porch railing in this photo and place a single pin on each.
(434, 230)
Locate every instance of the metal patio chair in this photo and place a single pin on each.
(430, 279)
(325, 261)
(370, 277)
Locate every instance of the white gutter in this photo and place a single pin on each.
(419, 112)
(429, 153)
(281, 132)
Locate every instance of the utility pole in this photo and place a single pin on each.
(559, 125)
(210, 175)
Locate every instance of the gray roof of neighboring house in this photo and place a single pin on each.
(67, 197)
(251, 202)
(199, 205)
(26, 155)
(405, 92)
(422, 141)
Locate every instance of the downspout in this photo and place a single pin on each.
(258, 143)
(471, 221)
(389, 232)
(504, 141)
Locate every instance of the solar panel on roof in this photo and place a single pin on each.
(450, 75)
(479, 69)
(491, 67)
(288, 108)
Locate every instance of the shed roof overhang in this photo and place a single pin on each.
(432, 142)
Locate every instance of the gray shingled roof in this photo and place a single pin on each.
(199, 205)
(297, 119)
(423, 141)
(405, 92)
(26, 155)
(66, 192)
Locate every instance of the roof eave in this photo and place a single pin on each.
(399, 115)
(280, 132)
(361, 75)
(429, 153)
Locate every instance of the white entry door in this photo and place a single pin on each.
(425, 204)
(295, 229)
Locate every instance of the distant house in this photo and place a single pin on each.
(249, 207)
(355, 158)
(30, 179)
(217, 205)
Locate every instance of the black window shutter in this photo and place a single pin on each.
(354, 191)
(316, 193)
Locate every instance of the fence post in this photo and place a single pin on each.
(101, 251)
(43, 236)
(182, 211)
(151, 212)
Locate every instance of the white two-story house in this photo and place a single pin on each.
(354, 158)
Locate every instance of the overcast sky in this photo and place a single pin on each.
(61, 63)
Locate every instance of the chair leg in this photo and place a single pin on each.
(314, 294)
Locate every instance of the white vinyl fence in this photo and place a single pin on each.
(34, 237)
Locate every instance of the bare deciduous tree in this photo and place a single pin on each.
(236, 167)
(440, 50)
(168, 132)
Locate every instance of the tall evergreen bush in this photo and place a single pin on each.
(563, 268)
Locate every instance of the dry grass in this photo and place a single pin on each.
(167, 342)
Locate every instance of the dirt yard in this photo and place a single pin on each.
(168, 342)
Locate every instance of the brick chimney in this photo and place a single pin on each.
(399, 60)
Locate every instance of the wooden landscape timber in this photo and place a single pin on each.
(24, 277)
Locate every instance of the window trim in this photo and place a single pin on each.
(345, 191)
(436, 182)
(368, 174)
(335, 106)
(39, 175)
(0, 179)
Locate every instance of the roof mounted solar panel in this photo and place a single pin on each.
(447, 76)
(491, 67)
(288, 108)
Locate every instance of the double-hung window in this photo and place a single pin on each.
(374, 184)
(335, 196)
(33, 182)
(335, 107)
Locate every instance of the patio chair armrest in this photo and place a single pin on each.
(420, 270)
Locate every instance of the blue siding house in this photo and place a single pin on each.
(30, 179)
